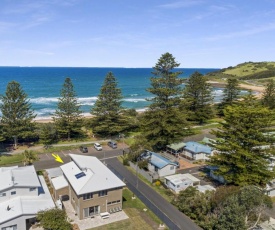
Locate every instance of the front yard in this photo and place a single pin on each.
(140, 217)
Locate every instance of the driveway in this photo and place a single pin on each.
(169, 214)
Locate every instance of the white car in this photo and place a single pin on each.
(97, 146)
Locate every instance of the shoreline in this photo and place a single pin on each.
(258, 89)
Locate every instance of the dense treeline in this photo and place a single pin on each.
(227, 208)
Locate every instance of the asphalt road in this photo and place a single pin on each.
(168, 213)
(47, 161)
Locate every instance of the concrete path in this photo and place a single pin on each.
(169, 214)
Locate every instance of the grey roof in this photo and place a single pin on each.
(54, 172)
(18, 177)
(88, 174)
(179, 178)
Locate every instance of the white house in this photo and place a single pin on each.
(196, 151)
(22, 195)
(179, 182)
(160, 165)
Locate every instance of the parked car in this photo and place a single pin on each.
(97, 146)
(112, 144)
(83, 149)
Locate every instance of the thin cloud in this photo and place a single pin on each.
(261, 29)
(180, 4)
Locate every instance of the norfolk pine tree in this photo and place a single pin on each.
(17, 115)
(67, 116)
(163, 123)
(198, 98)
(108, 118)
(241, 160)
(269, 95)
(230, 94)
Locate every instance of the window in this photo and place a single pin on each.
(91, 211)
(13, 192)
(103, 193)
(87, 196)
(172, 167)
(13, 227)
(32, 189)
(113, 202)
(2, 194)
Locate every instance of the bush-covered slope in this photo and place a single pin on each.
(246, 71)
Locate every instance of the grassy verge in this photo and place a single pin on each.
(10, 159)
(138, 218)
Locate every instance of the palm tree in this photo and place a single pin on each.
(29, 157)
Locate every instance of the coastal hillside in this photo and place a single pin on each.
(257, 72)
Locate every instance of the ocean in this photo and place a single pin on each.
(43, 85)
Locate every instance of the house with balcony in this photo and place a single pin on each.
(22, 195)
(92, 188)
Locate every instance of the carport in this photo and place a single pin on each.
(175, 148)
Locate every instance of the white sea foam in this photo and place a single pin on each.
(135, 100)
(87, 100)
(45, 111)
(43, 100)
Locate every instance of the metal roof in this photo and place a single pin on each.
(97, 176)
(59, 182)
(160, 161)
(196, 147)
(176, 146)
(18, 177)
(179, 178)
(26, 205)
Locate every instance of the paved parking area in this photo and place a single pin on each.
(92, 222)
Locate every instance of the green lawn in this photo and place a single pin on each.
(10, 159)
(138, 218)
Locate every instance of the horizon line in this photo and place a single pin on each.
(104, 67)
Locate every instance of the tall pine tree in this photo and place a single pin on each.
(17, 115)
(230, 94)
(269, 95)
(107, 110)
(67, 117)
(163, 123)
(231, 91)
(198, 98)
(243, 158)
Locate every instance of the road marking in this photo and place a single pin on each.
(64, 154)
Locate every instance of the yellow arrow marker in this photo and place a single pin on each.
(57, 158)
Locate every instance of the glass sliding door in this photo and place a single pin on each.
(91, 211)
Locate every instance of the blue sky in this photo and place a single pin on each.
(134, 33)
